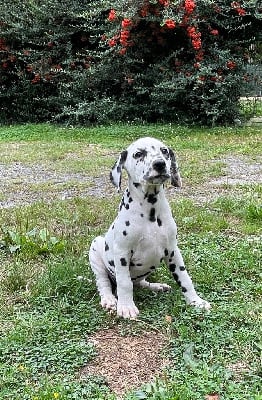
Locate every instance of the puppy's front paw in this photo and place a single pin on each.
(200, 303)
(127, 310)
(109, 302)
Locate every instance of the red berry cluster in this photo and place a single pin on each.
(124, 35)
(239, 10)
(186, 16)
(195, 37)
(189, 6)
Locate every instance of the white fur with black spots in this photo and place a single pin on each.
(144, 233)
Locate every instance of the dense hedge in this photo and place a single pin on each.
(81, 62)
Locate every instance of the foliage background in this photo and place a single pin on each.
(57, 64)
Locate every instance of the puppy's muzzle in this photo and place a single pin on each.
(160, 175)
(159, 166)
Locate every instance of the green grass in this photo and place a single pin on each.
(48, 300)
(251, 107)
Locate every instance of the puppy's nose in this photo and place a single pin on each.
(159, 165)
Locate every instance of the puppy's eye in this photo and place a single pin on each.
(138, 154)
(164, 151)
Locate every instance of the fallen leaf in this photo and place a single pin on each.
(212, 396)
(168, 319)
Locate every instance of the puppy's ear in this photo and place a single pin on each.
(116, 173)
(175, 175)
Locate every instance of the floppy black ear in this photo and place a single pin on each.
(175, 175)
(116, 172)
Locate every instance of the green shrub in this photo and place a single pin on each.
(45, 50)
(184, 60)
(87, 62)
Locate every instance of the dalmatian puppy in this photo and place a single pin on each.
(144, 234)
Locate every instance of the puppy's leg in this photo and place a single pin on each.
(103, 283)
(126, 307)
(177, 267)
(154, 286)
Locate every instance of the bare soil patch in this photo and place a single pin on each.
(238, 171)
(17, 182)
(21, 184)
(126, 362)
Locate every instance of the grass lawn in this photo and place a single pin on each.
(56, 197)
(251, 107)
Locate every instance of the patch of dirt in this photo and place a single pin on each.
(237, 171)
(126, 362)
(17, 180)
(239, 368)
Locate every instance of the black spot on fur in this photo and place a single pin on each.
(125, 233)
(172, 253)
(176, 279)
(106, 247)
(183, 289)
(152, 215)
(113, 226)
(166, 252)
(153, 267)
(130, 200)
(123, 156)
(182, 268)
(111, 262)
(139, 265)
(123, 262)
(151, 198)
(175, 276)
(172, 267)
(142, 215)
(122, 204)
(127, 193)
(131, 264)
(136, 184)
(127, 223)
(159, 222)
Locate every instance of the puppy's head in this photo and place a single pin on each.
(147, 162)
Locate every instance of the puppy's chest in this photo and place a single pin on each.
(146, 229)
(151, 239)
(147, 254)
(149, 244)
